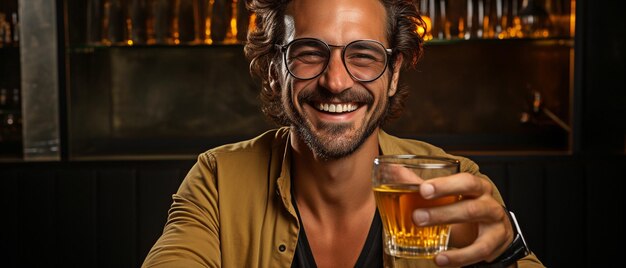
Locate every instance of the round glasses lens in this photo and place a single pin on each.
(307, 58)
(365, 60)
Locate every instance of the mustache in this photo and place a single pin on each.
(357, 95)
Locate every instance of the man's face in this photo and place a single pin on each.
(330, 133)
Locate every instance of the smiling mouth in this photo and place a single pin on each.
(336, 107)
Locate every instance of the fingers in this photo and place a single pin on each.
(478, 211)
(485, 248)
(477, 204)
(482, 209)
(459, 184)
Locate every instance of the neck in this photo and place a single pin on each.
(337, 186)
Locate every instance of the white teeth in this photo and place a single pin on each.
(339, 108)
(336, 108)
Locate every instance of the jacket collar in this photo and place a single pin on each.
(387, 145)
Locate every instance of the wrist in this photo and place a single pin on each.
(517, 249)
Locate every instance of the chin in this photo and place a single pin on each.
(332, 143)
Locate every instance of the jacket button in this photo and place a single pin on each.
(282, 248)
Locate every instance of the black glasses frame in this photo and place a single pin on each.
(284, 48)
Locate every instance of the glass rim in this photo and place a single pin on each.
(444, 162)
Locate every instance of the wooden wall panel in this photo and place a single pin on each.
(9, 218)
(36, 215)
(116, 224)
(605, 213)
(76, 218)
(565, 198)
(156, 187)
(498, 174)
(526, 198)
(110, 214)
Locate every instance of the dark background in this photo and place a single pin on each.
(571, 207)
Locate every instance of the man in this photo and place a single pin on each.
(301, 195)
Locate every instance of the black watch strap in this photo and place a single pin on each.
(516, 250)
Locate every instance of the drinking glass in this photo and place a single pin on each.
(396, 181)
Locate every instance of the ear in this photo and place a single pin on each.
(393, 85)
(273, 76)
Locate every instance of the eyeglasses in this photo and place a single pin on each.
(307, 58)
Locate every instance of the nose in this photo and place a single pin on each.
(336, 78)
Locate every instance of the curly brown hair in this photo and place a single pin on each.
(402, 22)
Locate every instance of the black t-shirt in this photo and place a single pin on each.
(371, 255)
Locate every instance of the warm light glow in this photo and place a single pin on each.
(420, 30)
(207, 23)
(502, 33)
(129, 30)
(207, 31)
(233, 25)
(572, 19)
(461, 27)
(252, 24)
(515, 31)
(486, 27)
(231, 35)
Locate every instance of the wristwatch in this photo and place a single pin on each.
(517, 249)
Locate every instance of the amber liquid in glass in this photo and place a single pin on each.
(396, 203)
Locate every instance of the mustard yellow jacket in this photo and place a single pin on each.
(234, 208)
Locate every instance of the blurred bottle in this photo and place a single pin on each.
(187, 23)
(4, 98)
(113, 23)
(200, 8)
(138, 22)
(232, 27)
(206, 17)
(480, 18)
(16, 102)
(220, 20)
(160, 16)
(515, 24)
(470, 21)
(434, 18)
(5, 31)
(502, 17)
(127, 20)
(151, 6)
(561, 16)
(425, 31)
(535, 20)
(10, 125)
(490, 19)
(244, 22)
(16, 29)
(95, 23)
(444, 22)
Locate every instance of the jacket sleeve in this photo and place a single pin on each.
(191, 235)
(530, 261)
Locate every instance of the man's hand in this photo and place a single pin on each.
(481, 230)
